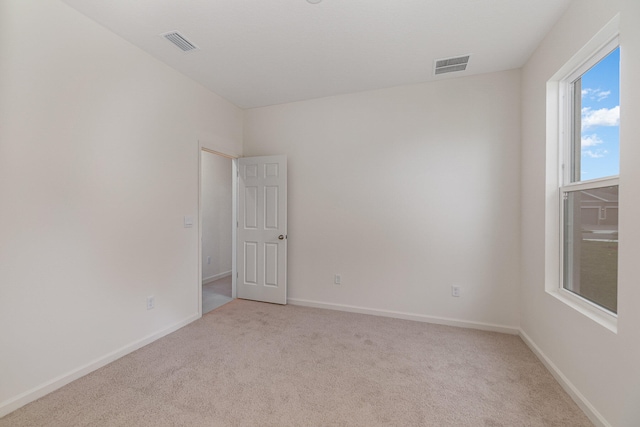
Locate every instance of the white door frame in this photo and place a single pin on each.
(202, 146)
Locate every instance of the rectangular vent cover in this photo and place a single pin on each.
(180, 41)
(451, 65)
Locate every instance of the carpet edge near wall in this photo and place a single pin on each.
(35, 393)
(511, 330)
(583, 403)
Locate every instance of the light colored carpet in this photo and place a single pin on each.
(256, 364)
(216, 294)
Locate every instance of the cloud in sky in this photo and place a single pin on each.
(596, 94)
(594, 154)
(590, 140)
(601, 117)
(589, 144)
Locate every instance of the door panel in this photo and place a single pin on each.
(251, 263)
(271, 207)
(251, 207)
(262, 229)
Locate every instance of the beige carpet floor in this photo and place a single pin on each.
(256, 364)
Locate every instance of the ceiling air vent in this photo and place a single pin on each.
(451, 65)
(179, 40)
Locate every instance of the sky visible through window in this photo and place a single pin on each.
(601, 119)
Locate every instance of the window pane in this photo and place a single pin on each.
(591, 245)
(596, 124)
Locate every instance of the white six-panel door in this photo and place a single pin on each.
(262, 229)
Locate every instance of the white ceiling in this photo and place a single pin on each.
(263, 52)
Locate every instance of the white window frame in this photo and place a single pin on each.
(559, 150)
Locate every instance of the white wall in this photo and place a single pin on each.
(216, 203)
(98, 166)
(600, 365)
(404, 192)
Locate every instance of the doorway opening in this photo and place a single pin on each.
(217, 244)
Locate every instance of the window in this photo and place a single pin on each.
(588, 186)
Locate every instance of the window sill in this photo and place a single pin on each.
(588, 309)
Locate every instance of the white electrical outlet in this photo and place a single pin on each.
(208, 260)
(151, 302)
(456, 291)
(337, 279)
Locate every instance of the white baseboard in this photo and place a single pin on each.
(589, 410)
(215, 277)
(513, 330)
(35, 393)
